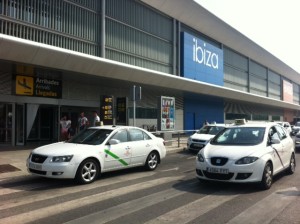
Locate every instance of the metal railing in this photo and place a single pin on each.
(178, 136)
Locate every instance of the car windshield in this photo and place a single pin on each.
(211, 130)
(297, 124)
(239, 136)
(91, 136)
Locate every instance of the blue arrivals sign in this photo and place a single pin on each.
(201, 61)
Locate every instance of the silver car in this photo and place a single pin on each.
(198, 140)
(297, 140)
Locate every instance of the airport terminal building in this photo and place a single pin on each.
(64, 57)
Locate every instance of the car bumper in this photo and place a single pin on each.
(194, 146)
(230, 173)
(64, 170)
(297, 142)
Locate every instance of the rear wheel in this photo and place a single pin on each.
(292, 166)
(152, 161)
(87, 172)
(267, 177)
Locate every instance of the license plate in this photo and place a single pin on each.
(198, 145)
(35, 166)
(217, 170)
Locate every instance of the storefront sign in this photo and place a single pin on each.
(201, 61)
(40, 87)
(106, 114)
(166, 120)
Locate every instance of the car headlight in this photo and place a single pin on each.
(246, 160)
(61, 159)
(200, 157)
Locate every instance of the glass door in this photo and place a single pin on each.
(5, 123)
(20, 124)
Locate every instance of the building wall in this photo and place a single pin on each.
(138, 35)
(50, 22)
(133, 33)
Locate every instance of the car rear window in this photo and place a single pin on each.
(211, 130)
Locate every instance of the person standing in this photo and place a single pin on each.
(65, 124)
(96, 120)
(82, 122)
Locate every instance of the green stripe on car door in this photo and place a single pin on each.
(116, 157)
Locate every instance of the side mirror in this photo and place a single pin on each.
(274, 141)
(113, 142)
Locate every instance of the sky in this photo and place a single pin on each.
(272, 24)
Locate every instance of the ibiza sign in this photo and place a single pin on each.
(204, 56)
(201, 61)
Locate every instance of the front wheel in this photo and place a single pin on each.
(152, 161)
(267, 177)
(292, 166)
(87, 172)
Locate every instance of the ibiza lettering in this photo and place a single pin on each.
(204, 56)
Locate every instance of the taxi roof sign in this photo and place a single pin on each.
(240, 121)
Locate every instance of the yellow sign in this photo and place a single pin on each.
(24, 85)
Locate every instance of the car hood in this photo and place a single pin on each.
(232, 152)
(62, 148)
(202, 136)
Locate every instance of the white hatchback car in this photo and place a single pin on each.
(97, 150)
(247, 153)
(199, 139)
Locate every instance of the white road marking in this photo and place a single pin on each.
(63, 191)
(264, 211)
(129, 207)
(80, 202)
(193, 210)
(172, 169)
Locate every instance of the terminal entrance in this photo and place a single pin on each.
(5, 123)
(42, 123)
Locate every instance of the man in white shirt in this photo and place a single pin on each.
(82, 122)
(96, 121)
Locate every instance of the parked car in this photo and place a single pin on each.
(199, 139)
(247, 152)
(297, 140)
(286, 125)
(295, 128)
(97, 150)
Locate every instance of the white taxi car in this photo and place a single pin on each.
(199, 139)
(247, 152)
(97, 150)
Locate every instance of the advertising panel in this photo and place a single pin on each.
(287, 91)
(40, 87)
(201, 61)
(106, 114)
(166, 120)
